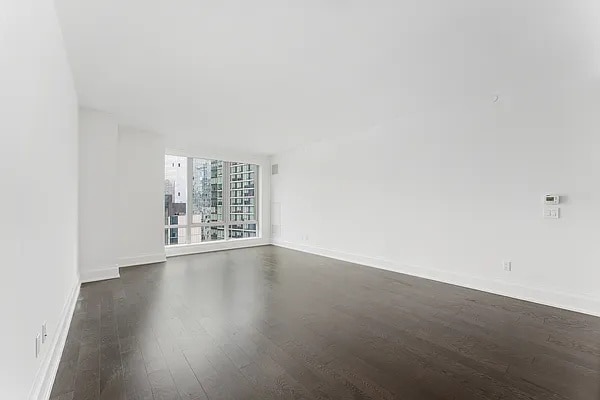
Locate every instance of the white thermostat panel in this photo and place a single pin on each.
(551, 199)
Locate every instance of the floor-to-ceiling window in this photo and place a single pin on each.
(208, 200)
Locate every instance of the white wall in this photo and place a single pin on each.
(450, 193)
(141, 177)
(121, 196)
(38, 164)
(98, 138)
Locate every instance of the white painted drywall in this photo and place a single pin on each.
(98, 138)
(450, 192)
(38, 164)
(141, 177)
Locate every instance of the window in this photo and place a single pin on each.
(221, 196)
(242, 231)
(207, 191)
(175, 200)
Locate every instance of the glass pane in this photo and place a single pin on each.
(202, 234)
(175, 199)
(239, 231)
(175, 188)
(242, 180)
(175, 236)
(207, 191)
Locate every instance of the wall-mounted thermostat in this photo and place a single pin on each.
(551, 199)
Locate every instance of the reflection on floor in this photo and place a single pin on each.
(271, 323)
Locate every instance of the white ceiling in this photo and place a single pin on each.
(265, 75)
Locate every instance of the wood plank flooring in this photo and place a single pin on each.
(271, 323)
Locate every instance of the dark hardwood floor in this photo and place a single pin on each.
(270, 323)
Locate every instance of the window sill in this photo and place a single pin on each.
(217, 245)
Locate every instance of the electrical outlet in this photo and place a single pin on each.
(44, 333)
(37, 345)
(507, 265)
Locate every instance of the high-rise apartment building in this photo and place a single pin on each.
(242, 200)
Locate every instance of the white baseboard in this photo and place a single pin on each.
(47, 372)
(187, 249)
(580, 303)
(141, 260)
(99, 274)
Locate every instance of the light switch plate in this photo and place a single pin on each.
(44, 332)
(552, 212)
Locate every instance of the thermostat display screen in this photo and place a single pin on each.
(551, 199)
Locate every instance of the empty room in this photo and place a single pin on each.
(385, 199)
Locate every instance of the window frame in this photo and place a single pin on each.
(226, 222)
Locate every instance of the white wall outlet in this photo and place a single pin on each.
(37, 345)
(44, 332)
(507, 265)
